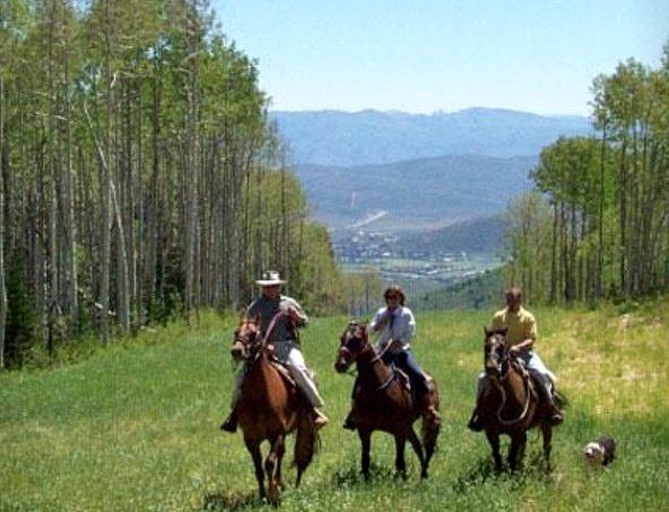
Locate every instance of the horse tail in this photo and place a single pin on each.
(430, 429)
(307, 443)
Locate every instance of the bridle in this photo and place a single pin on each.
(245, 340)
(353, 342)
(496, 358)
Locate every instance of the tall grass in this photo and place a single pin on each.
(135, 426)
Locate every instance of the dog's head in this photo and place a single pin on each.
(594, 452)
(601, 451)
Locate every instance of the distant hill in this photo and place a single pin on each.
(336, 138)
(415, 195)
(479, 235)
(483, 291)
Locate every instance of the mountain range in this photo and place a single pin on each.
(369, 137)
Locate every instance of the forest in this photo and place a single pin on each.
(597, 225)
(140, 178)
(141, 181)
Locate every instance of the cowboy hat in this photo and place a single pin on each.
(270, 278)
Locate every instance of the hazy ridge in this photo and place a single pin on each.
(338, 138)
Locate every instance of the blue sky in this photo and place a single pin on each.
(441, 55)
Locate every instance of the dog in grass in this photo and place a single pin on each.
(601, 452)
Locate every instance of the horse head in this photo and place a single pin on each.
(247, 336)
(496, 351)
(352, 342)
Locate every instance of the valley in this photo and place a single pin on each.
(418, 198)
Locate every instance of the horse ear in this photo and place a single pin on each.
(486, 331)
(242, 314)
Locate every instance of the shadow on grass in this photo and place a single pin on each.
(216, 502)
(352, 475)
(532, 470)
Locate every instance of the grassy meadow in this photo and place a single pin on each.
(134, 426)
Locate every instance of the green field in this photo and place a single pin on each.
(134, 427)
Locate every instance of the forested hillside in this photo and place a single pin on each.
(140, 178)
(415, 194)
(598, 227)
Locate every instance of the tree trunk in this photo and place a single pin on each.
(3, 287)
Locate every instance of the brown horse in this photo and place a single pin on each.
(383, 402)
(509, 403)
(269, 409)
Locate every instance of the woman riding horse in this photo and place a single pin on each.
(397, 326)
(384, 402)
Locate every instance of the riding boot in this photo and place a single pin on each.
(230, 423)
(475, 422)
(349, 422)
(553, 414)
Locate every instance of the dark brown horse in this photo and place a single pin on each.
(509, 403)
(269, 409)
(383, 402)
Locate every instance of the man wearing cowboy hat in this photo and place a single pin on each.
(280, 316)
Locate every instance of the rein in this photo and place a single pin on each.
(271, 327)
(526, 407)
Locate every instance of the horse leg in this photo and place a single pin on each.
(280, 452)
(366, 441)
(493, 439)
(400, 463)
(547, 433)
(517, 449)
(430, 433)
(254, 449)
(418, 448)
(273, 469)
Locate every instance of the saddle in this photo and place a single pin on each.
(283, 371)
(534, 379)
